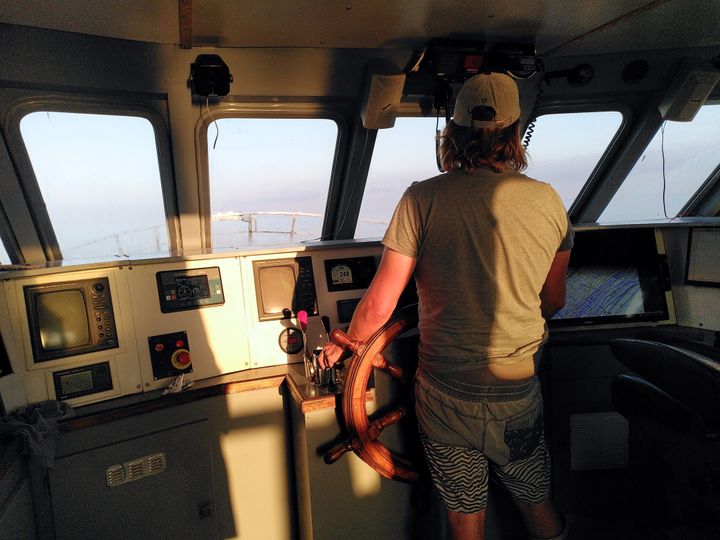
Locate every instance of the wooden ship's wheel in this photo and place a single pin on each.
(364, 430)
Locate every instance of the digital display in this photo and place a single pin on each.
(62, 320)
(341, 274)
(602, 291)
(349, 274)
(284, 287)
(180, 290)
(68, 318)
(192, 287)
(277, 288)
(73, 383)
(82, 381)
(346, 309)
(614, 276)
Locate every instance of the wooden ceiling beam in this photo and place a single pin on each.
(185, 17)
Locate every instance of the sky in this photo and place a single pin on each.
(99, 174)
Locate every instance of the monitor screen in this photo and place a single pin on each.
(62, 320)
(284, 287)
(277, 288)
(68, 318)
(615, 276)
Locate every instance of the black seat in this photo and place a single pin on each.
(692, 379)
(672, 402)
(634, 397)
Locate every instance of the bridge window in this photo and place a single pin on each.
(402, 155)
(4, 257)
(100, 181)
(269, 179)
(565, 148)
(676, 163)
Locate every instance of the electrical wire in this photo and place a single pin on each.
(664, 178)
(438, 135)
(217, 128)
(532, 118)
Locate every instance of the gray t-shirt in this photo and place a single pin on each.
(484, 243)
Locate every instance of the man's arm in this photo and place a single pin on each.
(552, 295)
(378, 302)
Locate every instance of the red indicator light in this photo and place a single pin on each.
(179, 343)
(159, 347)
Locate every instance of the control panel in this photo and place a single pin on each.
(179, 290)
(170, 355)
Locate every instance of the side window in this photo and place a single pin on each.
(403, 154)
(100, 181)
(4, 257)
(269, 179)
(564, 149)
(675, 164)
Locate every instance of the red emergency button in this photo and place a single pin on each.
(181, 359)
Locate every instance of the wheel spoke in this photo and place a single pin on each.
(393, 370)
(386, 420)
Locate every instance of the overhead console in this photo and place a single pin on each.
(616, 277)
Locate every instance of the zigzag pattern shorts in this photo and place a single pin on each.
(470, 432)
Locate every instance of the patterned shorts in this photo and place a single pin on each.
(469, 432)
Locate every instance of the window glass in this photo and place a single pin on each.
(4, 257)
(403, 154)
(269, 179)
(100, 181)
(685, 154)
(565, 148)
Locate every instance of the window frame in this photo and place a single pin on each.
(267, 110)
(596, 178)
(33, 197)
(703, 197)
(409, 109)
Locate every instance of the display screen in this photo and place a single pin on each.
(184, 289)
(615, 276)
(277, 288)
(601, 292)
(62, 320)
(349, 274)
(69, 318)
(73, 383)
(192, 287)
(284, 287)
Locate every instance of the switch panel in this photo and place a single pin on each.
(170, 355)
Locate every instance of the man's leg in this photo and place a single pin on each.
(466, 526)
(541, 520)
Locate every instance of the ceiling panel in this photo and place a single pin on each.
(381, 23)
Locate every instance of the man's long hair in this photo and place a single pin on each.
(467, 149)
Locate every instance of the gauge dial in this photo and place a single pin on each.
(291, 340)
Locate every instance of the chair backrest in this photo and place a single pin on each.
(690, 378)
(636, 398)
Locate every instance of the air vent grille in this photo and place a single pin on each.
(135, 469)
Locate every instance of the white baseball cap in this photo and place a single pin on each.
(494, 90)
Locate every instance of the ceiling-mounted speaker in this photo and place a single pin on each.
(689, 90)
(383, 92)
(209, 76)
